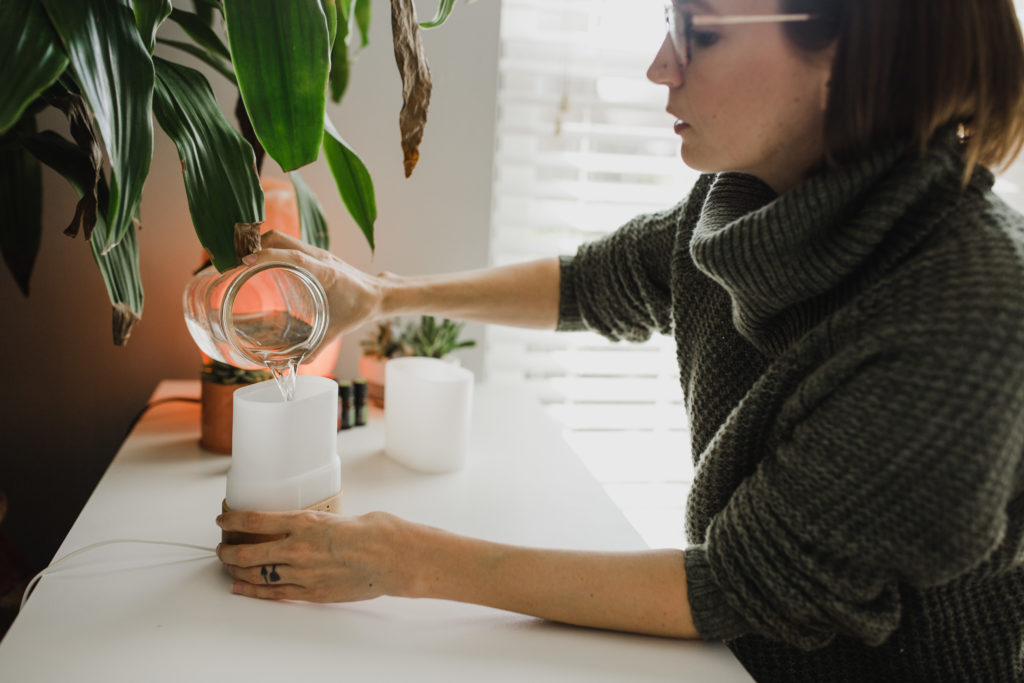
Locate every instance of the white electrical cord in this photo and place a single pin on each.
(211, 552)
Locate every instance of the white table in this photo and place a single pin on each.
(133, 612)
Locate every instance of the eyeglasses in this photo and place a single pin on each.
(681, 25)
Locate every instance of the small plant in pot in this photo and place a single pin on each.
(219, 382)
(427, 337)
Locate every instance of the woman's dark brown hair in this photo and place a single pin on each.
(905, 69)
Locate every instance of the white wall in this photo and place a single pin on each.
(69, 395)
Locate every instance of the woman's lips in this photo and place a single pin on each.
(680, 126)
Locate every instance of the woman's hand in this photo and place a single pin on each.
(354, 297)
(322, 558)
(327, 558)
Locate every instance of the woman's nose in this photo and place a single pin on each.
(665, 69)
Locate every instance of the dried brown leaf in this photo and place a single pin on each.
(84, 135)
(124, 320)
(85, 215)
(247, 239)
(416, 82)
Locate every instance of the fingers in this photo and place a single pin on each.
(264, 574)
(252, 522)
(293, 256)
(262, 523)
(286, 592)
(273, 238)
(278, 240)
(277, 246)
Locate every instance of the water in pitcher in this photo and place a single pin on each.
(272, 314)
(279, 340)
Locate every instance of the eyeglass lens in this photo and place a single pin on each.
(680, 26)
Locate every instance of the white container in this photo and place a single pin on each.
(284, 453)
(427, 413)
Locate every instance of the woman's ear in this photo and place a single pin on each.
(828, 59)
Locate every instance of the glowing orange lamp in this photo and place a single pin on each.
(281, 210)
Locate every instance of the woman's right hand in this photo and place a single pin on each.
(354, 297)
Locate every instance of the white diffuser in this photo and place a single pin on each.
(427, 413)
(284, 453)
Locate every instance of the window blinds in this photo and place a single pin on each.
(583, 145)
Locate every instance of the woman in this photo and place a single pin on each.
(847, 296)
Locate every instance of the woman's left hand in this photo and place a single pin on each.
(322, 558)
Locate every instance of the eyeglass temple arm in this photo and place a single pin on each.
(722, 20)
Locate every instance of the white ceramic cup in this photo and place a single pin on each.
(427, 413)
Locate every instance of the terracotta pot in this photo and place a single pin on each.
(216, 401)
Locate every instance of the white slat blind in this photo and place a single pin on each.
(584, 144)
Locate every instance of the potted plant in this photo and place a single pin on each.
(93, 61)
(219, 382)
(426, 337)
(434, 339)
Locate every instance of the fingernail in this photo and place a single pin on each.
(249, 259)
(220, 518)
(236, 588)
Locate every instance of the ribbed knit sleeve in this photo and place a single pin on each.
(619, 286)
(885, 468)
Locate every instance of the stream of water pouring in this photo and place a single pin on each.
(285, 371)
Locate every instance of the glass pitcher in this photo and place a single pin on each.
(254, 317)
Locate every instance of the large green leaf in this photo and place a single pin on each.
(21, 195)
(218, 164)
(313, 224)
(149, 14)
(281, 54)
(115, 73)
(201, 32)
(218, 63)
(353, 180)
(119, 267)
(31, 57)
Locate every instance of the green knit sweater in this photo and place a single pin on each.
(852, 359)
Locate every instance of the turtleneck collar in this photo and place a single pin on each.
(774, 253)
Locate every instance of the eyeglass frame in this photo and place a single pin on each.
(673, 14)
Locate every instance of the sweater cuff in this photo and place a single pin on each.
(569, 316)
(714, 618)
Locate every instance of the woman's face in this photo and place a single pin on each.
(748, 101)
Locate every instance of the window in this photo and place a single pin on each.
(584, 144)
